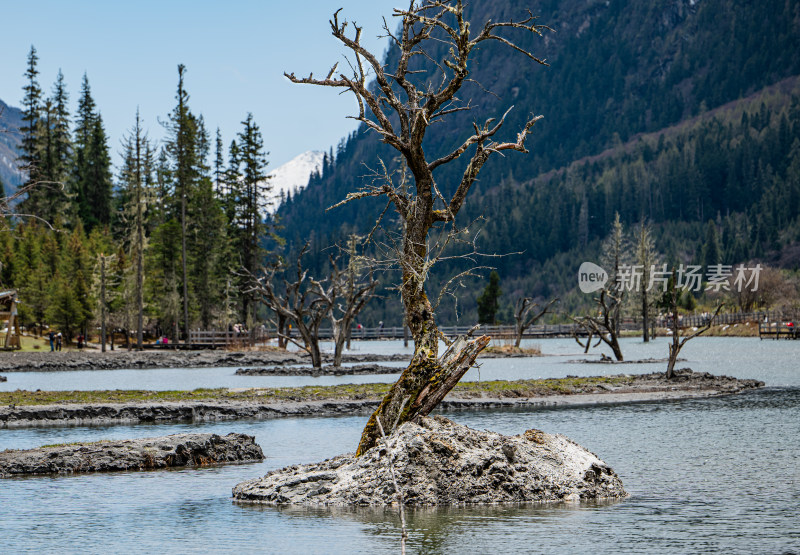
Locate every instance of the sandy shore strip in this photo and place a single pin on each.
(66, 408)
(119, 359)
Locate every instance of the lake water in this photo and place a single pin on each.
(773, 362)
(707, 475)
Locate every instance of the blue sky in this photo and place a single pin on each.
(235, 53)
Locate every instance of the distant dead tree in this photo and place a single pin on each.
(300, 303)
(306, 302)
(525, 316)
(403, 102)
(347, 292)
(604, 325)
(588, 345)
(678, 343)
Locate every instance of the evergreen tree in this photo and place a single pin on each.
(92, 184)
(207, 238)
(489, 300)
(136, 183)
(711, 248)
(29, 159)
(55, 155)
(252, 192)
(181, 147)
(219, 164)
(62, 141)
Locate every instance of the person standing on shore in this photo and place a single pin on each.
(58, 341)
(52, 337)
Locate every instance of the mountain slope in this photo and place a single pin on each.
(10, 122)
(618, 69)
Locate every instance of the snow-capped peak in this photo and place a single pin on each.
(294, 174)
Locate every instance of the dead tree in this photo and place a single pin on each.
(678, 343)
(347, 294)
(525, 317)
(588, 344)
(604, 325)
(300, 304)
(400, 107)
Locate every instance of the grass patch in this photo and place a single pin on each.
(512, 350)
(347, 392)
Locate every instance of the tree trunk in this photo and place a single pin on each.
(339, 340)
(185, 274)
(102, 303)
(614, 344)
(428, 378)
(518, 339)
(316, 357)
(281, 331)
(645, 329)
(675, 348)
(311, 341)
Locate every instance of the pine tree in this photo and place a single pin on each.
(55, 155)
(181, 148)
(29, 159)
(711, 247)
(91, 183)
(219, 164)
(136, 183)
(207, 238)
(61, 141)
(489, 300)
(253, 190)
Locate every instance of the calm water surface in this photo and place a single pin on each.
(704, 476)
(773, 362)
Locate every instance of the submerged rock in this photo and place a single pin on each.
(439, 462)
(3, 379)
(132, 454)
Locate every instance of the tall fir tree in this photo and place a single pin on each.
(187, 148)
(30, 147)
(207, 239)
(253, 192)
(92, 184)
(135, 192)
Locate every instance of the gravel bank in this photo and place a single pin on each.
(134, 454)
(644, 388)
(119, 359)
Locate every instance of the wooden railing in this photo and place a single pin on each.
(220, 338)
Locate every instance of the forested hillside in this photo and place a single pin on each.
(634, 123)
(10, 122)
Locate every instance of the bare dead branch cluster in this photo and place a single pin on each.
(525, 316)
(306, 302)
(678, 342)
(604, 325)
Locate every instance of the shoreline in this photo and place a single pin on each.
(362, 399)
(70, 361)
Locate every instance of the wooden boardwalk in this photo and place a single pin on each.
(778, 330)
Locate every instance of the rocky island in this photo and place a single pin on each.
(439, 462)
